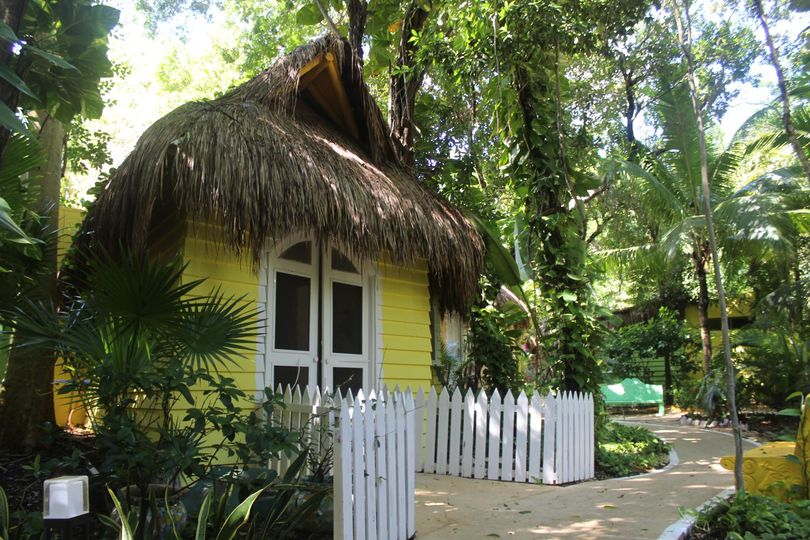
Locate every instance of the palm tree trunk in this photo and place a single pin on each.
(787, 120)
(699, 258)
(685, 38)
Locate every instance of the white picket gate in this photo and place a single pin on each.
(373, 444)
(542, 438)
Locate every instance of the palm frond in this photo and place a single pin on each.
(666, 201)
(680, 235)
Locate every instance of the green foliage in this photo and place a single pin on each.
(144, 349)
(67, 79)
(764, 349)
(747, 517)
(494, 351)
(665, 339)
(21, 232)
(624, 450)
(711, 394)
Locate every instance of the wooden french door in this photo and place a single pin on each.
(318, 319)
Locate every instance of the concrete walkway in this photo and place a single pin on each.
(634, 508)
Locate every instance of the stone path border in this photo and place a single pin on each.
(681, 528)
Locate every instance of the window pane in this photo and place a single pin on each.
(292, 312)
(291, 376)
(346, 378)
(300, 252)
(347, 318)
(342, 263)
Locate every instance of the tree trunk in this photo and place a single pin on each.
(27, 400)
(685, 38)
(358, 12)
(787, 120)
(699, 259)
(404, 84)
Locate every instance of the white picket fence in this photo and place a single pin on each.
(373, 450)
(542, 438)
(380, 441)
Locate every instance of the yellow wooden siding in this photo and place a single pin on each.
(233, 276)
(404, 317)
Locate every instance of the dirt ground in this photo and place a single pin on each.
(633, 508)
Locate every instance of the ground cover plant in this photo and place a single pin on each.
(626, 450)
(754, 516)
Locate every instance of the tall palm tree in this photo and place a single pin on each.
(668, 182)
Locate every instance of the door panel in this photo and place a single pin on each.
(292, 334)
(346, 319)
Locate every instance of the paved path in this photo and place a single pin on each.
(634, 508)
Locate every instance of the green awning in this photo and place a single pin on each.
(632, 392)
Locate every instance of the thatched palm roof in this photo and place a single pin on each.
(265, 161)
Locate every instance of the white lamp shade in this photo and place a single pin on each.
(65, 497)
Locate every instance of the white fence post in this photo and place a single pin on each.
(480, 450)
(549, 444)
(521, 429)
(381, 481)
(468, 435)
(494, 447)
(418, 429)
(430, 437)
(455, 450)
(343, 475)
(410, 468)
(507, 465)
(443, 432)
(370, 461)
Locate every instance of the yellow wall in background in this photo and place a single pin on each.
(69, 218)
(405, 325)
(741, 308)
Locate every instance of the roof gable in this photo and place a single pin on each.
(320, 83)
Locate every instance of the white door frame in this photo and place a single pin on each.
(370, 358)
(309, 358)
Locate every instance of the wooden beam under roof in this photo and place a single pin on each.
(321, 77)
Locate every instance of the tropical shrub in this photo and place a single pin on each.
(494, 351)
(624, 450)
(777, 364)
(754, 516)
(144, 352)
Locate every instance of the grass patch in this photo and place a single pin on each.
(754, 516)
(626, 450)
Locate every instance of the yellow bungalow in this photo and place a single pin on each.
(287, 191)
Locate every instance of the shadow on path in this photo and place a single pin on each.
(632, 508)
